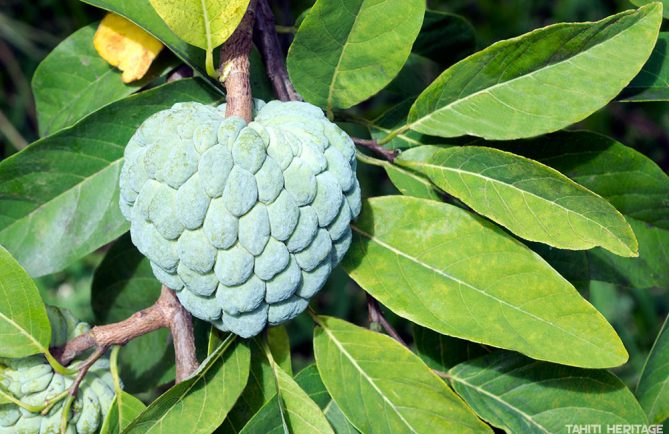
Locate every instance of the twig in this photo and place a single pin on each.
(235, 68)
(374, 146)
(83, 369)
(165, 312)
(270, 48)
(376, 316)
(268, 43)
(74, 388)
(442, 374)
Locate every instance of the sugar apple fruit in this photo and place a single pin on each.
(245, 222)
(32, 380)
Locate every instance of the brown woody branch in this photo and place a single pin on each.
(166, 312)
(376, 148)
(235, 68)
(267, 41)
(83, 370)
(376, 316)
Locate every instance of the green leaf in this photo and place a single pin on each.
(122, 285)
(447, 269)
(59, 196)
(268, 419)
(410, 183)
(406, 181)
(24, 324)
(573, 265)
(567, 72)
(647, 271)
(200, 403)
(259, 391)
(533, 201)
(344, 52)
(443, 352)
(299, 413)
(416, 74)
(203, 23)
(520, 395)
(665, 3)
(653, 388)
(310, 381)
(630, 181)
(652, 83)
(279, 344)
(291, 409)
(445, 38)
(391, 383)
(74, 81)
(394, 118)
(141, 13)
(125, 408)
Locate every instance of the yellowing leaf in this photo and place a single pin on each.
(126, 46)
(203, 23)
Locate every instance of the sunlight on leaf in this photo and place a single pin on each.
(449, 270)
(203, 23)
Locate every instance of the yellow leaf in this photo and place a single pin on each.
(126, 46)
(203, 23)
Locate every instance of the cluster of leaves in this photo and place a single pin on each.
(502, 216)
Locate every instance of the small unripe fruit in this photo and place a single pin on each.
(32, 381)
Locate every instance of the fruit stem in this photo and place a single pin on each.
(235, 68)
(65, 415)
(48, 405)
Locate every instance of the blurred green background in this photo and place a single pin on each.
(30, 29)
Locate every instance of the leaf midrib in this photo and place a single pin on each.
(195, 382)
(341, 56)
(367, 377)
(79, 184)
(521, 191)
(501, 401)
(468, 285)
(519, 78)
(24, 332)
(207, 29)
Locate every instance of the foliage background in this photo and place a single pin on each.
(29, 30)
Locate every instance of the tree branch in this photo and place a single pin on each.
(235, 68)
(376, 316)
(181, 327)
(83, 369)
(375, 147)
(166, 312)
(268, 43)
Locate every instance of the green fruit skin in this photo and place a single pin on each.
(32, 380)
(244, 221)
